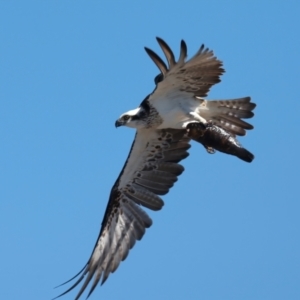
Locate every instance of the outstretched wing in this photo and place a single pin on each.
(150, 170)
(190, 81)
(195, 76)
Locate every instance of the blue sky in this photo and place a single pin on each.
(68, 69)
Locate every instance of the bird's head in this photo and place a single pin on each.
(134, 118)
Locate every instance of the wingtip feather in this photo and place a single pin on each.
(157, 60)
(183, 52)
(167, 51)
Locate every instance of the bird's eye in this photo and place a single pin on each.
(126, 118)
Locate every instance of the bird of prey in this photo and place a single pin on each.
(175, 113)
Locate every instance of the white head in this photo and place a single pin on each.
(135, 118)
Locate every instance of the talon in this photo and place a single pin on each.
(196, 129)
(210, 150)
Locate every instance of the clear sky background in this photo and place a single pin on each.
(68, 69)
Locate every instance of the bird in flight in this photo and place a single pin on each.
(166, 121)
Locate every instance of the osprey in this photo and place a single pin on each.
(166, 121)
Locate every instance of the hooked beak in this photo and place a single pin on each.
(119, 123)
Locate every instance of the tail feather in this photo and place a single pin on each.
(227, 114)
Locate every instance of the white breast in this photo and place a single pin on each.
(176, 109)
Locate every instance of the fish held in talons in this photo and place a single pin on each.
(213, 138)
